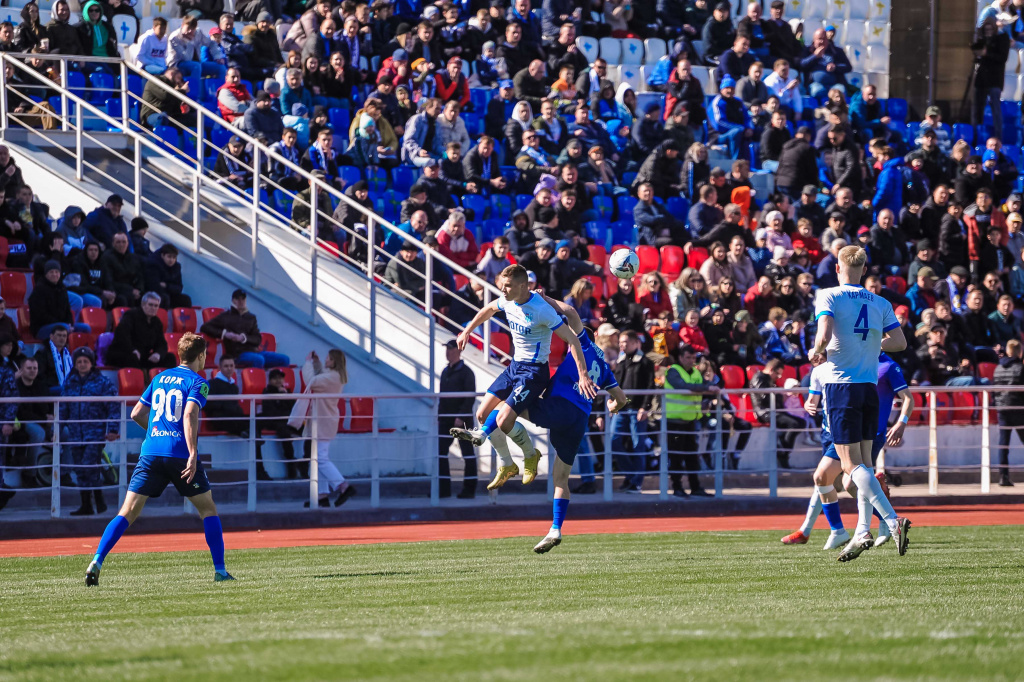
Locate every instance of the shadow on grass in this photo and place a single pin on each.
(368, 574)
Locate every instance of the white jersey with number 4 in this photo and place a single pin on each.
(860, 319)
(531, 325)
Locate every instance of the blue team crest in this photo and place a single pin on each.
(527, 317)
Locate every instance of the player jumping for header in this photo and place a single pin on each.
(532, 321)
(169, 411)
(854, 327)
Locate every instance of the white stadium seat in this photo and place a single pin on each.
(125, 28)
(282, 31)
(815, 9)
(855, 79)
(881, 83)
(858, 9)
(654, 49)
(44, 16)
(854, 32)
(588, 46)
(632, 51)
(1011, 86)
(858, 56)
(17, 4)
(11, 14)
(131, 54)
(878, 59)
(163, 8)
(611, 50)
(879, 10)
(703, 76)
(794, 8)
(877, 33)
(835, 10)
(630, 73)
(698, 47)
(204, 26)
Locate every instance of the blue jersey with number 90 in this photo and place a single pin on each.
(165, 397)
(861, 318)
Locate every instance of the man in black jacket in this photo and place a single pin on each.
(1010, 372)
(482, 168)
(226, 415)
(48, 304)
(139, 338)
(842, 160)
(634, 371)
(274, 414)
(787, 426)
(457, 377)
(774, 137)
(125, 271)
(798, 165)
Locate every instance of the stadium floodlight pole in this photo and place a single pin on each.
(55, 464)
(986, 446)
(773, 438)
(933, 446)
(719, 448)
(607, 474)
(251, 492)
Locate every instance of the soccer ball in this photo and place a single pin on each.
(624, 263)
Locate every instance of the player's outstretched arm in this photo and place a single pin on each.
(572, 318)
(619, 399)
(484, 314)
(191, 422)
(895, 435)
(587, 385)
(811, 404)
(140, 415)
(893, 341)
(825, 327)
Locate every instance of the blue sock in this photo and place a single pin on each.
(558, 509)
(490, 423)
(111, 534)
(215, 540)
(835, 519)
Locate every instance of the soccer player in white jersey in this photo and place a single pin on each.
(532, 321)
(854, 326)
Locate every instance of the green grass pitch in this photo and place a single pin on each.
(702, 606)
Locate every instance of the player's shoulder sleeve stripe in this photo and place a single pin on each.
(824, 313)
(889, 327)
(814, 392)
(560, 323)
(145, 402)
(193, 399)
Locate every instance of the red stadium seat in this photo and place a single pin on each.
(461, 281)
(500, 341)
(745, 410)
(24, 325)
(649, 259)
(342, 411)
(254, 380)
(119, 313)
(289, 378)
(210, 313)
(184, 320)
(4, 250)
(599, 292)
(943, 408)
(788, 372)
(920, 410)
(79, 340)
(896, 284)
(96, 318)
(697, 256)
(752, 370)
(598, 255)
(151, 374)
(732, 376)
(986, 370)
(805, 369)
(964, 406)
(673, 260)
(172, 344)
(558, 350)
(13, 287)
(211, 352)
(268, 342)
(362, 415)
(130, 381)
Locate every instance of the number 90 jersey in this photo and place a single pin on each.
(165, 397)
(861, 318)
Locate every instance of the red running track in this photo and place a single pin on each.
(973, 515)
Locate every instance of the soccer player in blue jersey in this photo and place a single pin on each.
(169, 411)
(854, 327)
(531, 320)
(824, 498)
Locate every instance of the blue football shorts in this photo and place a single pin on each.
(153, 474)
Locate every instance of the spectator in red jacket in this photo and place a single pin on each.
(456, 243)
(978, 217)
(233, 98)
(760, 298)
(805, 239)
(451, 83)
(655, 299)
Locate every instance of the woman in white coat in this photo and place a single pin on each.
(329, 379)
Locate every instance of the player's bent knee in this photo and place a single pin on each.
(204, 504)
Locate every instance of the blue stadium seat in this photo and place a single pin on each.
(596, 233)
(76, 83)
(112, 106)
(622, 232)
(910, 133)
(477, 204)
(135, 84)
(1013, 153)
(210, 86)
(386, 209)
(168, 134)
(510, 173)
(282, 202)
(340, 120)
(678, 206)
(645, 98)
(403, 178)
(350, 174)
(474, 125)
(628, 178)
(219, 136)
(377, 179)
(625, 203)
(604, 206)
(982, 133)
(963, 131)
(1011, 114)
(500, 205)
(479, 97)
(897, 108)
(754, 150)
(101, 84)
(522, 201)
(494, 227)
(188, 147)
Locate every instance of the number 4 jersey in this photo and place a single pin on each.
(861, 318)
(165, 397)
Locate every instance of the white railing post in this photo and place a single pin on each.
(375, 463)
(314, 468)
(719, 448)
(609, 483)
(314, 197)
(428, 300)
(3, 95)
(663, 457)
(79, 160)
(197, 188)
(773, 459)
(55, 464)
(124, 96)
(370, 254)
(200, 134)
(933, 446)
(487, 329)
(63, 95)
(251, 498)
(254, 222)
(986, 446)
(137, 176)
(122, 464)
(435, 487)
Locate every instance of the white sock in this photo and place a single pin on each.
(521, 437)
(813, 510)
(500, 445)
(863, 513)
(866, 482)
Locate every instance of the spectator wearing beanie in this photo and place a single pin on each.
(139, 243)
(106, 220)
(48, 304)
(163, 276)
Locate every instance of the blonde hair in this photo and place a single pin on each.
(579, 289)
(853, 256)
(340, 363)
